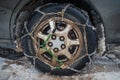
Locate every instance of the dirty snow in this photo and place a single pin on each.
(13, 70)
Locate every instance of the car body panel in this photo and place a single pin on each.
(109, 11)
(6, 9)
(9, 10)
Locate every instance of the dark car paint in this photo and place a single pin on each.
(8, 13)
(109, 11)
(6, 9)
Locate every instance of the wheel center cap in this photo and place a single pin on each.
(57, 43)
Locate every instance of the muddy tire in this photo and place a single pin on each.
(66, 43)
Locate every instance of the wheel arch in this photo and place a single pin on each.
(82, 4)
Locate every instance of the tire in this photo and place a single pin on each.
(72, 14)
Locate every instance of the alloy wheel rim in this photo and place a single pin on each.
(66, 43)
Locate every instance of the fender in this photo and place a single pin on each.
(110, 14)
(8, 12)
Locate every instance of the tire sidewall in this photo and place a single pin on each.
(72, 13)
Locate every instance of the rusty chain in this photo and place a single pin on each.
(62, 15)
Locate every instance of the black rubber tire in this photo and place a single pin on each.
(72, 13)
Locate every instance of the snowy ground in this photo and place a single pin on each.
(23, 70)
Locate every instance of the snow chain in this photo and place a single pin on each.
(62, 14)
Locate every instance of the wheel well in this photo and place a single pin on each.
(82, 4)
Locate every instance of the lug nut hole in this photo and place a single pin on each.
(50, 44)
(63, 46)
(55, 49)
(62, 38)
(53, 37)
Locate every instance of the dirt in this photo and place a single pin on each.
(23, 70)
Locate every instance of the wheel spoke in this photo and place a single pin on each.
(70, 42)
(68, 28)
(41, 51)
(52, 25)
(42, 36)
(67, 54)
(54, 61)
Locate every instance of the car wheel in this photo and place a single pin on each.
(55, 41)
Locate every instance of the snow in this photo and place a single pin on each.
(107, 76)
(26, 71)
(101, 42)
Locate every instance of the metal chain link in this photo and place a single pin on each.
(62, 14)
